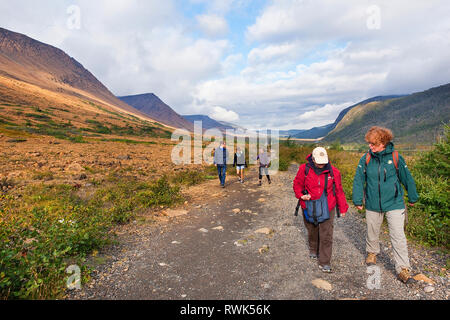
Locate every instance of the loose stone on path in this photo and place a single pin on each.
(266, 231)
(173, 213)
(422, 277)
(322, 284)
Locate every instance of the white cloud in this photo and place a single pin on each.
(131, 46)
(285, 20)
(320, 116)
(272, 53)
(212, 25)
(222, 114)
(298, 54)
(407, 54)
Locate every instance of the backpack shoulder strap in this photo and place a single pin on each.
(368, 157)
(395, 159)
(307, 167)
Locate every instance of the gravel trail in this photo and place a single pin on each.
(243, 242)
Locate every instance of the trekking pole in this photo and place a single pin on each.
(337, 204)
(297, 208)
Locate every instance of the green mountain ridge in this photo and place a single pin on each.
(415, 118)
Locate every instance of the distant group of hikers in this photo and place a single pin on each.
(377, 186)
(221, 157)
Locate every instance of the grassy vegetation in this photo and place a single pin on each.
(40, 121)
(46, 228)
(99, 127)
(43, 175)
(67, 131)
(429, 218)
(189, 178)
(129, 141)
(48, 127)
(49, 227)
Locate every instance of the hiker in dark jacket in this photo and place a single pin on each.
(309, 184)
(377, 184)
(264, 163)
(220, 160)
(240, 163)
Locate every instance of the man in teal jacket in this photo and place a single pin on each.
(377, 184)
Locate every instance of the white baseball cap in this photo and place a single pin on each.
(320, 155)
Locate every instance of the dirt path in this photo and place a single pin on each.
(214, 252)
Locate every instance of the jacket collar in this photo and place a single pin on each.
(388, 150)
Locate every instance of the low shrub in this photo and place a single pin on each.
(430, 217)
(52, 227)
(188, 178)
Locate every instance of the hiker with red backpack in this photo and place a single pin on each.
(321, 196)
(377, 185)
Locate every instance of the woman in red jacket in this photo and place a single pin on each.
(311, 187)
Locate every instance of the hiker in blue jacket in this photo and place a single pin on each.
(220, 160)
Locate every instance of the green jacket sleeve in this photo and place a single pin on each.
(358, 183)
(407, 180)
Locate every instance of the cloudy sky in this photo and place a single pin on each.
(286, 64)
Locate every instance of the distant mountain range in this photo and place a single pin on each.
(320, 132)
(417, 117)
(36, 76)
(155, 108)
(414, 117)
(313, 133)
(208, 123)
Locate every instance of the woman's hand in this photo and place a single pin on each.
(306, 197)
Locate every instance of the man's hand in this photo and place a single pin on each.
(359, 207)
(411, 204)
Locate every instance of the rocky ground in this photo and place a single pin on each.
(47, 160)
(243, 242)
